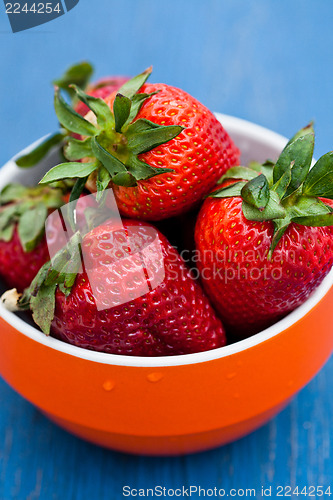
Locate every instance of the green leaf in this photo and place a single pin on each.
(137, 102)
(27, 208)
(31, 226)
(124, 179)
(267, 163)
(7, 215)
(267, 170)
(139, 126)
(308, 206)
(110, 162)
(141, 170)
(12, 192)
(121, 110)
(273, 210)
(244, 173)
(6, 234)
(78, 189)
(256, 192)
(32, 290)
(68, 171)
(36, 283)
(70, 119)
(72, 266)
(42, 307)
(308, 129)
(145, 136)
(319, 181)
(78, 74)
(97, 106)
(132, 86)
(307, 211)
(315, 220)
(254, 165)
(63, 289)
(76, 149)
(280, 227)
(66, 258)
(298, 152)
(31, 159)
(69, 280)
(52, 197)
(57, 264)
(281, 186)
(102, 182)
(229, 191)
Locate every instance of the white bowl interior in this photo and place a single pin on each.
(256, 143)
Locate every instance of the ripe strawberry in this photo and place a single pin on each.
(160, 149)
(101, 89)
(18, 267)
(135, 296)
(23, 248)
(265, 245)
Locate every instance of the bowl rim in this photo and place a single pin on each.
(253, 131)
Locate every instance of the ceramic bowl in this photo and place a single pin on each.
(177, 404)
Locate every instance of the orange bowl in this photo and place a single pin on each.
(177, 404)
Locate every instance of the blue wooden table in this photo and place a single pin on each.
(265, 61)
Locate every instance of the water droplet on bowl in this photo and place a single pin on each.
(155, 376)
(231, 375)
(109, 385)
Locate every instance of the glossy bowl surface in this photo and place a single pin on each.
(179, 404)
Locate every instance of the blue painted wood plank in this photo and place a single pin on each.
(265, 61)
(39, 460)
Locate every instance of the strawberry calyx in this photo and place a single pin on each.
(27, 209)
(111, 141)
(60, 272)
(78, 74)
(286, 191)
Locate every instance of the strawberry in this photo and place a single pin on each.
(264, 245)
(159, 148)
(134, 295)
(18, 267)
(23, 248)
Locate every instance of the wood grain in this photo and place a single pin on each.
(40, 461)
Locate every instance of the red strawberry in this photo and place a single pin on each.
(29, 234)
(135, 296)
(18, 267)
(160, 149)
(23, 248)
(199, 156)
(265, 245)
(101, 89)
